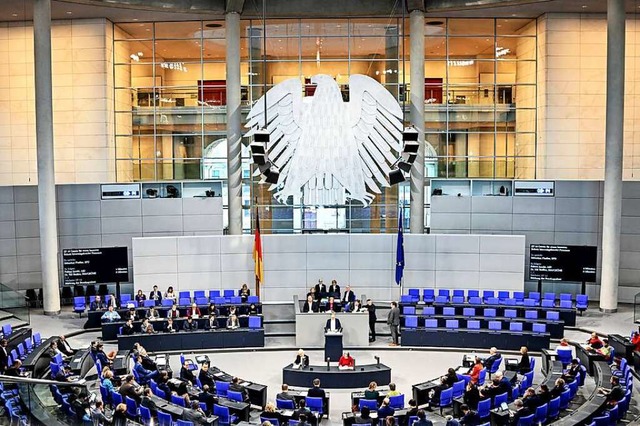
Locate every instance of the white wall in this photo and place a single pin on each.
(293, 263)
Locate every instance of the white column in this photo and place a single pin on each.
(234, 124)
(46, 172)
(416, 225)
(612, 215)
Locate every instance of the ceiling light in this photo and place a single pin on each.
(213, 25)
(135, 19)
(15, 15)
(435, 23)
(584, 6)
(68, 12)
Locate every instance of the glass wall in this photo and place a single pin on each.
(170, 101)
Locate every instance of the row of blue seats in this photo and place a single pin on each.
(518, 298)
(430, 311)
(411, 321)
(24, 348)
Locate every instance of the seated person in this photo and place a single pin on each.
(616, 393)
(233, 310)
(253, 309)
(392, 390)
(558, 388)
(190, 325)
(131, 389)
(469, 416)
(544, 393)
(107, 379)
(110, 315)
(232, 322)
(194, 311)
(51, 351)
(311, 305)
(163, 384)
(155, 295)
(531, 400)
(211, 322)
(130, 314)
(144, 375)
(146, 326)
(148, 403)
(112, 301)
(451, 376)
(14, 369)
(173, 313)
(372, 392)
(471, 396)
(422, 419)
(499, 385)
(208, 397)
(285, 395)
(346, 362)
(302, 410)
(170, 294)
(635, 340)
(594, 342)
(605, 350)
(195, 415)
(244, 293)
(170, 327)
(356, 306)
(412, 409)
(270, 413)
(140, 298)
(524, 366)
(520, 412)
(573, 371)
(105, 358)
(316, 391)
(152, 314)
(333, 324)
(186, 373)
(493, 356)
(331, 306)
(474, 371)
(302, 360)
(565, 346)
(385, 410)
(206, 377)
(97, 415)
(235, 386)
(434, 395)
(365, 416)
(213, 310)
(127, 328)
(65, 347)
(97, 304)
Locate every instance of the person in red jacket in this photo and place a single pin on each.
(474, 372)
(346, 362)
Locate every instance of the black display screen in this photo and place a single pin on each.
(563, 263)
(83, 266)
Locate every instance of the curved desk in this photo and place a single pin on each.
(336, 379)
(195, 340)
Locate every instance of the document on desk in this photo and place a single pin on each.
(304, 393)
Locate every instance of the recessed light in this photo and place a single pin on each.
(135, 19)
(584, 6)
(68, 12)
(435, 23)
(15, 15)
(213, 25)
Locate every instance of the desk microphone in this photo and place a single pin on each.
(377, 358)
(328, 361)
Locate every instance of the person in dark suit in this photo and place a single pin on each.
(385, 409)
(206, 377)
(471, 396)
(332, 305)
(127, 328)
(573, 371)
(302, 360)
(237, 387)
(270, 413)
(187, 374)
(4, 355)
(412, 411)
(334, 289)
(333, 323)
(469, 416)
(520, 412)
(524, 366)
(310, 305)
(131, 389)
(213, 310)
(285, 395)
(155, 295)
(195, 415)
(170, 327)
(320, 290)
(393, 320)
(302, 410)
(348, 296)
(244, 293)
(207, 397)
(364, 417)
(148, 403)
(422, 419)
(494, 355)
(190, 325)
(371, 308)
(531, 400)
(65, 347)
(316, 391)
(14, 369)
(558, 388)
(437, 391)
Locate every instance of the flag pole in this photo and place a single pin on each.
(400, 215)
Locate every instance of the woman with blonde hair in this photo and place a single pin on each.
(371, 392)
(270, 413)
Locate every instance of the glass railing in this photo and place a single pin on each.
(14, 303)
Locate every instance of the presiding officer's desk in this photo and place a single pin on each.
(309, 327)
(474, 338)
(622, 346)
(587, 358)
(334, 378)
(195, 340)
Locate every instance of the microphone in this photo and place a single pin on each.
(328, 361)
(377, 358)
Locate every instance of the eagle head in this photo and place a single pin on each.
(321, 79)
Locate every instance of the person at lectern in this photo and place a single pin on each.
(194, 311)
(332, 305)
(371, 308)
(302, 360)
(190, 325)
(155, 295)
(334, 289)
(310, 305)
(232, 322)
(346, 362)
(333, 324)
(97, 304)
(244, 293)
(211, 323)
(320, 289)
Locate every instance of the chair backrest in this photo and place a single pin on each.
(414, 292)
(566, 304)
(253, 299)
(431, 323)
(541, 413)
(482, 376)
(149, 303)
(484, 408)
(184, 301)
(458, 388)
(7, 330)
(565, 355)
(198, 293)
(79, 301)
(132, 407)
(518, 295)
(116, 398)
(178, 400)
(526, 421)
(372, 404)
(449, 311)
(510, 313)
(475, 300)
(213, 294)
(539, 328)
(446, 397)
(458, 293)
(547, 303)
(411, 321)
(468, 312)
(565, 398)
(602, 420)
(457, 299)
(549, 296)
(235, 396)
(145, 414)
(495, 325)
(255, 321)
(443, 292)
(529, 377)
(167, 302)
(515, 326)
(406, 298)
(553, 315)
(502, 295)
(29, 344)
(442, 299)
(188, 423)
(489, 312)
(274, 422)
(222, 388)
(531, 314)
(582, 300)
(228, 293)
(314, 404)
(285, 404)
(409, 310)
(499, 399)
(160, 393)
(184, 295)
(397, 401)
(428, 294)
(488, 293)
(473, 324)
(236, 300)
(565, 296)
(529, 302)
(219, 300)
(124, 298)
(534, 295)
(473, 293)
(164, 419)
(428, 311)
(510, 301)
(201, 300)
(492, 300)
(554, 408)
(452, 324)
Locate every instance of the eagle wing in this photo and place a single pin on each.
(376, 121)
(284, 111)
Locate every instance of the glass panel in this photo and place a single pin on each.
(524, 168)
(214, 29)
(134, 30)
(435, 47)
(525, 144)
(281, 27)
(374, 47)
(178, 30)
(374, 27)
(470, 71)
(434, 27)
(323, 48)
(325, 27)
(513, 26)
(471, 48)
(283, 48)
(132, 52)
(178, 50)
(215, 50)
(470, 26)
(338, 70)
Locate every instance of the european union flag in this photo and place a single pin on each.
(400, 249)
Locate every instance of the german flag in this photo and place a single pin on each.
(257, 253)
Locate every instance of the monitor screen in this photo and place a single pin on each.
(563, 263)
(101, 265)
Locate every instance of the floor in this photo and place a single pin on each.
(408, 366)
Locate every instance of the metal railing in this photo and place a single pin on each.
(14, 303)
